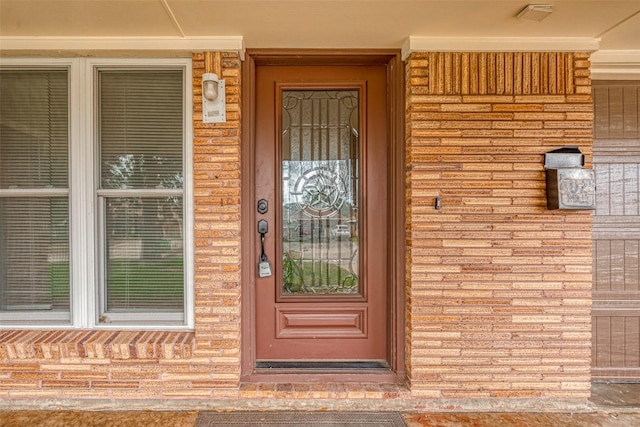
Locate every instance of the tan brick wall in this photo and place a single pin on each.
(216, 168)
(498, 286)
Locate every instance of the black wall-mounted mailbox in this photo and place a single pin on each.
(569, 186)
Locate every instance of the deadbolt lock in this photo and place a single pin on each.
(263, 206)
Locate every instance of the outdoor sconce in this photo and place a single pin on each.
(569, 186)
(213, 99)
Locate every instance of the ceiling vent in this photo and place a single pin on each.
(535, 12)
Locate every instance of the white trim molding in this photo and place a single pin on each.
(499, 44)
(615, 65)
(91, 46)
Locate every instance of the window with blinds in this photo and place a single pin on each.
(34, 192)
(140, 192)
(96, 206)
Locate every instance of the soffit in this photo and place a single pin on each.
(320, 23)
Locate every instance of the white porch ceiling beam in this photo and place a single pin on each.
(615, 65)
(175, 46)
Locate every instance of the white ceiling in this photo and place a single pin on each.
(320, 23)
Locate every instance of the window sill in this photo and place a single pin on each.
(91, 344)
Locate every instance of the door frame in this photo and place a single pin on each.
(395, 200)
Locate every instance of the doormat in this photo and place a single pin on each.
(307, 419)
(321, 365)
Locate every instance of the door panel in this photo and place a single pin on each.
(321, 163)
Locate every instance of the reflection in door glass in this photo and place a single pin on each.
(320, 159)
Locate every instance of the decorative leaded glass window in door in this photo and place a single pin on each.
(320, 197)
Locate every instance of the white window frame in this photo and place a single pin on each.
(83, 229)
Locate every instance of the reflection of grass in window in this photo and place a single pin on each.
(150, 284)
(60, 283)
(131, 284)
(316, 277)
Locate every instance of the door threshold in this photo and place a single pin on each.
(334, 371)
(323, 365)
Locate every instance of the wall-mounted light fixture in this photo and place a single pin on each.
(535, 12)
(213, 99)
(569, 186)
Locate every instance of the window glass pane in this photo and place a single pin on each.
(34, 149)
(320, 152)
(34, 229)
(34, 253)
(141, 129)
(144, 254)
(141, 146)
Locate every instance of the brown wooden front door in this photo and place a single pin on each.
(321, 165)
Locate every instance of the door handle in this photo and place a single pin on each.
(264, 266)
